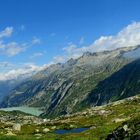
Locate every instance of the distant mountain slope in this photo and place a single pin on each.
(13, 78)
(63, 88)
(120, 85)
(7, 85)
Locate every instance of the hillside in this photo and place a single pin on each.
(62, 88)
(120, 118)
(124, 83)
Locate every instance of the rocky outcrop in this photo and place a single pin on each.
(46, 130)
(17, 127)
(128, 130)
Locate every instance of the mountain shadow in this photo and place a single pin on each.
(122, 84)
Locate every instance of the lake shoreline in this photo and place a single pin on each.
(29, 110)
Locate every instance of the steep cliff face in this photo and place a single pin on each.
(66, 88)
(122, 84)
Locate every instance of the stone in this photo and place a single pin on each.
(118, 120)
(38, 135)
(125, 127)
(53, 127)
(45, 130)
(17, 127)
(92, 127)
(71, 126)
(9, 133)
(36, 130)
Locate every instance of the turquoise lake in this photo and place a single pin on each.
(30, 110)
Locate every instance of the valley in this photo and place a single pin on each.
(69, 70)
(59, 103)
(67, 88)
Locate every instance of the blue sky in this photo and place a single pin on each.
(38, 32)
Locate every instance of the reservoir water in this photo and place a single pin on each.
(30, 110)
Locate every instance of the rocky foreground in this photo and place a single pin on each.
(119, 120)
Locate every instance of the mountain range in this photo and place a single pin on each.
(91, 80)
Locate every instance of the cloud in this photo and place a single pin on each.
(36, 55)
(7, 32)
(5, 64)
(73, 51)
(82, 40)
(58, 59)
(28, 70)
(36, 41)
(13, 48)
(128, 36)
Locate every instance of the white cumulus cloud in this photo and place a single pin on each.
(58, 59)
(82, 40)
(24, 72)
(5, 64)
(128, 36)
(13, 48)
(7, 32)
(36, 41)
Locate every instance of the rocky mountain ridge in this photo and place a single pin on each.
(64, 88)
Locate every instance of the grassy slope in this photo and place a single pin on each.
(102, 120)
